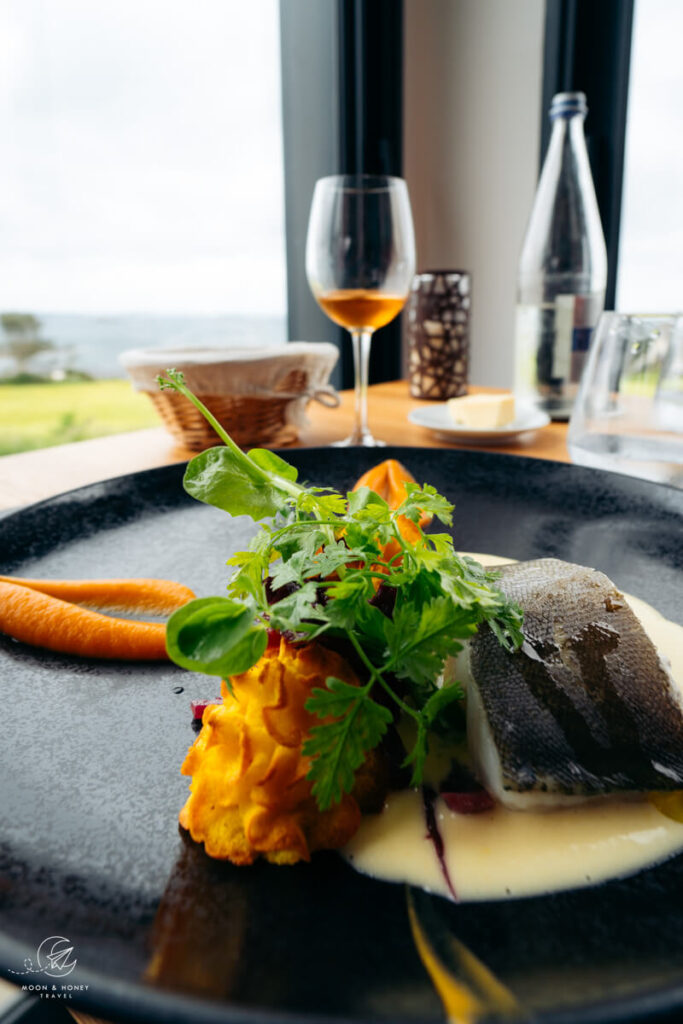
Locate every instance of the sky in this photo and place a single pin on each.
(141, 157)
(651, 246)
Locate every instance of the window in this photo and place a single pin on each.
(649, 275)
(141, 186)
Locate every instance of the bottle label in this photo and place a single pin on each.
(587, 310)
(527, 331)
(581, 339)
(551, 344)
(564, 337)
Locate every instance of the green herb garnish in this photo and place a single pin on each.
(435, 598)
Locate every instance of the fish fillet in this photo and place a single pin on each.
(585, 708)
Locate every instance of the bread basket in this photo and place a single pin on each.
(258, 395)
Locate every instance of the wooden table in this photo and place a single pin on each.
(33, 476)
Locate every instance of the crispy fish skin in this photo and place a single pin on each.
(585, 708)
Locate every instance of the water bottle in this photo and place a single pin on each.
(562, 270)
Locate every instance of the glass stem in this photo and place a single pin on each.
(361, 360)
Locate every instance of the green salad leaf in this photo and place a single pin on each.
(314, 570)
(216, 635)
(217, 478)
(257, 484)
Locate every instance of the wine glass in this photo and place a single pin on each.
(360, 261)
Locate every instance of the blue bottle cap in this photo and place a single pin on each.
(568, 104)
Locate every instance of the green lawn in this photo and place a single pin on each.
(41, 415)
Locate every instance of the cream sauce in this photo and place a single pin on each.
(504, 853)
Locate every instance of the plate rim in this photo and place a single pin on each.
(456, 431)
(124, 999)
(6, 515)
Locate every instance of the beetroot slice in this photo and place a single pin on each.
(475, 802)
(198, 707)
(274, 637)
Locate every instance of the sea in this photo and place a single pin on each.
(92, 344)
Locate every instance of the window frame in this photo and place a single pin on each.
(342, 108)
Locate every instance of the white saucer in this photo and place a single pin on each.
(436, 418)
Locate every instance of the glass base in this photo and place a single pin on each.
(363, 439)
(651, 458)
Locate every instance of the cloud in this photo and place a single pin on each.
(143, 156)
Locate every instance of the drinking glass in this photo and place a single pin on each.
(360, 261)
(628, 415)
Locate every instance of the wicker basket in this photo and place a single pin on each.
(259, 396)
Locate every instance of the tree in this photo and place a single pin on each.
(22, 339)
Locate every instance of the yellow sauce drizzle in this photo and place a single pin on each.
(670, 804)
(464, 1002)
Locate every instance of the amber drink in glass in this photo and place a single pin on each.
(360, 260)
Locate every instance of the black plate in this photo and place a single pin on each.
(91, 850)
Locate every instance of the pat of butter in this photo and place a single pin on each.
(482, 412)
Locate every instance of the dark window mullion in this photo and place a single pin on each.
(342, 102)
(370, 34)
(588, 48)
